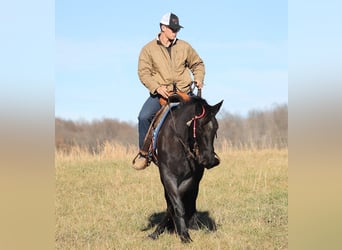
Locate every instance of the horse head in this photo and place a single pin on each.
(204, 127)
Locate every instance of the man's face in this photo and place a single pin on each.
(171, 34)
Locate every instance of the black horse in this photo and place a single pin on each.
(185, 147)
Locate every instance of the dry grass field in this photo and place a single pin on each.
(103, 203)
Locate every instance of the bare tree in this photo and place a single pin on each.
(260, 129)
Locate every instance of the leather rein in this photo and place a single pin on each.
(195, 151)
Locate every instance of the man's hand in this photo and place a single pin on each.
(162, 90)
(199, 85)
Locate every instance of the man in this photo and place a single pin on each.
(163, 62)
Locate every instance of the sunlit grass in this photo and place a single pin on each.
(103, 203)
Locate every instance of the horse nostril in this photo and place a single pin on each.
(211, 162)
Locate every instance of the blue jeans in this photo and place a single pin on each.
(146, 115)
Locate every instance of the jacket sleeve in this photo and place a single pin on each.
(196, 65)
(146, 72)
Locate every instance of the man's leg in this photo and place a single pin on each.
(148, 111)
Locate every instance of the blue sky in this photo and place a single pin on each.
(243, 45)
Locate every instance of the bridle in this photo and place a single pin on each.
(193, 120)
(195, 150)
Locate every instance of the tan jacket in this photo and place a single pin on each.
(156, 67)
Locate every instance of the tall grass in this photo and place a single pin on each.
(103, 203)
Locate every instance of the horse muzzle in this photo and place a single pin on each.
(210, 162)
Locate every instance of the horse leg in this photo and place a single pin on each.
(178, 214)
(161, 226)
(189, 196)
(166, 222)
(189, 191)
(190, 208)
(180, 226)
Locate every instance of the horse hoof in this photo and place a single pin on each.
(185, 238)
(153, 236)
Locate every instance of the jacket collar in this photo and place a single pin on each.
(159, 42)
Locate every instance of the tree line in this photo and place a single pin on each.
(259, 129)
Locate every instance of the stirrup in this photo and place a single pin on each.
(145, 155)
(133, 161)
(141, 163)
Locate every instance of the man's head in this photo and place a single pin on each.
(171, 21)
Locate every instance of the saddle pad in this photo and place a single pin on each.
(157, 129)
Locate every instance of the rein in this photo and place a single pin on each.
(195, 151)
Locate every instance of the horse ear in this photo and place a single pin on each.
(216, 108)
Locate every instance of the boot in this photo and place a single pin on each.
(140, 162)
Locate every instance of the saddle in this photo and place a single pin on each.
(175, 96)
(149, 146)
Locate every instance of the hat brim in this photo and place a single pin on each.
(175, 27)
